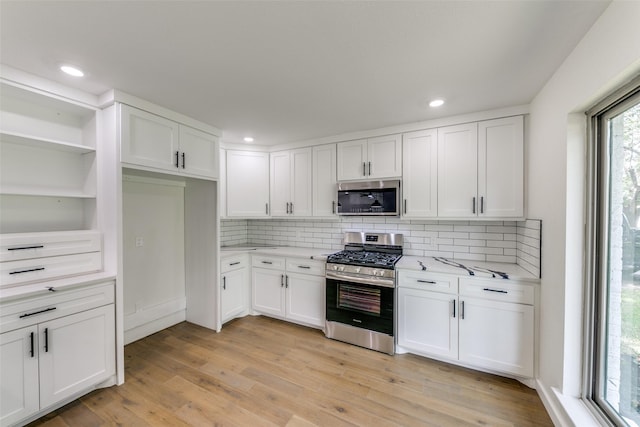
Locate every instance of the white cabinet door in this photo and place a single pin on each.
(427, 322)
(198, 152)
(458, 171)
(501, 167)
(496, 335)
(352, 160)
(305, 298)
(384, 156)
(420, 174)
(301, 182)
(268, 291)
(76, 352)
(280, 183)
(324, 180)
(232, 296)
(247, 184)
(148, 140)
(19, 373)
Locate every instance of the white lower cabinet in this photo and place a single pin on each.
(234, 282)
(291, 289)
(55, 355)
(485, 323)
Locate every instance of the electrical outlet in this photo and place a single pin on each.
(139, 241)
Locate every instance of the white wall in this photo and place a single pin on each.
(606, 57)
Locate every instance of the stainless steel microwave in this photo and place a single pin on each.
(369, 198)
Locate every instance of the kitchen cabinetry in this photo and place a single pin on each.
(290, 182)
(247, 184)
(420, 174)
(483, 323)
(235, 283)
(480, 169)
(289, 288)
(152, 141)
(324, 180)
(372, 158)
(54, 347)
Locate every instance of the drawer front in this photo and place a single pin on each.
(233, 263)
(306, 266)
(428, 281)
(262, 261)
(15, 247)
(32, 270)
(498, 290)
(30, 311)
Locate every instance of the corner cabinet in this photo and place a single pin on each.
(53, 348)
(482, 323)
(247, 184)
(372, 158)
(481, 169)
(163, 145)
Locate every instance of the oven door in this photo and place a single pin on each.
(361, 305)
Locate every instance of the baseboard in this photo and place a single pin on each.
(139, 332)
(565, 411)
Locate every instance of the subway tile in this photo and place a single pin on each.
(486, 236)
(501, 229)
(453, 235)
(485, 250)
(470, 228)
(467, 242)
(501, 258)
(502, 243)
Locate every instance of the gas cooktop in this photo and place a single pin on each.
(364, 258)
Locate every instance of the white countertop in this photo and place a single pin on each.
(284, 251)
(514, 271)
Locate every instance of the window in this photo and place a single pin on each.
(613, 355)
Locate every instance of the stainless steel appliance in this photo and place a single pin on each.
(360, 293)
(369, 198)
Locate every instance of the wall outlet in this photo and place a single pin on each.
(139, 241)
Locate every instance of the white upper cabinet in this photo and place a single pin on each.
(156, 142)
(480, 169)
(222, 185)
(379, 157)
(247, 184)
(420, 174)
(457, 170)
(324, 180)
(291, 183)
(501, 167)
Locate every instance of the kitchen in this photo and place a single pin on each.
(545, 122)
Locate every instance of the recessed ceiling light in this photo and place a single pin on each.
(72, 71)
(436, 103)
(248, 139)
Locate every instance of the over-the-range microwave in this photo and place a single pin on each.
(369, 198)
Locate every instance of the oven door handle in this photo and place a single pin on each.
(367, 280)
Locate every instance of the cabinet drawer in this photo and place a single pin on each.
(31, 270)
(428, 281)
(306, 266)
(276, 263)
(19, 246)
(19, 314)
(498, 290)
(233, 263)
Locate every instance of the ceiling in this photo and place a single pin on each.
(293, 71)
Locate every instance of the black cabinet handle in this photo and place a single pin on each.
(499, 291)
(431, 282)
(291, 208)
(453, 302)
(304, 266)
(183, 157)
(267, 262)
(405, 206)
(364, 169)
(286, 281)
(473, 207)
(281, 280)
(177, 159)
(27, 271)
(36, 312)
(224, 282)
(369, 168)
(23, 248)
(482, 204)
(46, 340)
(462, 310)
(333, 206)
(234, 263)
(32, 351)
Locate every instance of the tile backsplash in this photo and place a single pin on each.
(516, 242)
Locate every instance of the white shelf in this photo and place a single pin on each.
(39, 142)
(39, 192)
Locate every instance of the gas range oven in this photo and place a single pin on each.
(360, 297)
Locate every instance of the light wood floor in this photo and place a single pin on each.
(264, 372)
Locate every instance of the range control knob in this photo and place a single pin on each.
(341, 268)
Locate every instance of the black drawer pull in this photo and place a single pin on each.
(24, 248)
(304, 266)
(431, 282)
(32, 351)
(46, 340)
(500, 291)
(27, 271)
(234, 263)
(37, 312)
(267, 262)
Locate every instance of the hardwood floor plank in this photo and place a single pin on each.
(264, 372)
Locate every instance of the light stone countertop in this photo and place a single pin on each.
(283, 251)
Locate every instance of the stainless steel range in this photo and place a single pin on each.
(361, 290)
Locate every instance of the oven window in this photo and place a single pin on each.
(359, 298)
